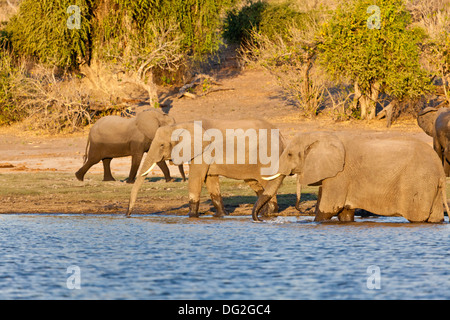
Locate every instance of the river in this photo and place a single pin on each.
(174, 257)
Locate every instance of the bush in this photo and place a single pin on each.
(377, 60)
(240, 23)
(120, 43)
(8, 111)
(40, 30)
(269, 19)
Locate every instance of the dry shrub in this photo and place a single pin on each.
(50, 103)
(291, 59)
(56, 103)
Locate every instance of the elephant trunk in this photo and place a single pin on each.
(262, 200)
(299, 193)
(134, 191)
(269, 192)
(147, 166)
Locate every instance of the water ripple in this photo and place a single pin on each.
(173, 257)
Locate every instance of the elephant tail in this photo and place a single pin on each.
(442, 186)
(85, 156)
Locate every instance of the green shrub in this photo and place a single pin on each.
(381, 59)
(9, 112)
(240, 23)
(40, 30)
(269, 19)
(40, 27)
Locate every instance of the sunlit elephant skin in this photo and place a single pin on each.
(385, 176)
(209, 173)
(436, 123)
(114, 137)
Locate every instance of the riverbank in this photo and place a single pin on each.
(37, 169)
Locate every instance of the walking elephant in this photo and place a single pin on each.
(114, 137)
(210, 149)
(436, 123)
(386, 176)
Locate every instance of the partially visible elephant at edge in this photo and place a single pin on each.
(385, 176)
(163, 144)
(436, 123)
(115, 137)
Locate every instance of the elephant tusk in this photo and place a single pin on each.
(272, 177)
(148, 171)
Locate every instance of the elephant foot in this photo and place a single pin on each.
(193, 209)
(218, 205)
(321, 216)
(109, 179)
(79, 175)
(170, 179)
(131, 180)
(347, 215)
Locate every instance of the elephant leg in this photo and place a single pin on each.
(196, 177)
(213, 186)
(445, 161)
(446, 168)
(270, 207)
(347, 215)
(107, 176)
(321, 215)
(163, 166)
(135, 162)
(89, 163)
(443, 154)
(181, 169)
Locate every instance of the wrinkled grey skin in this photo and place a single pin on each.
(385, 176)
(114, 137)
(163, 145)
(436, 123)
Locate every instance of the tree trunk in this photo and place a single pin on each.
(367, 100)
(152, 90)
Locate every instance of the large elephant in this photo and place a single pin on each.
(385, 176)
(203, 138)
(436, 123)
(114, 137)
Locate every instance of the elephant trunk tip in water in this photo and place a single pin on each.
(262, 200)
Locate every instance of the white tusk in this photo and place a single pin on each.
(148, 171)
(272, 177)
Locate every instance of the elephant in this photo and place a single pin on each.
(202, 167)
(114, 137)
(435, 123)
(384, 175)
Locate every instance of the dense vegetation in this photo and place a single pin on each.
(345, 59)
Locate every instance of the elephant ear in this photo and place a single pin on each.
(147, 123)
(192, 141)
(426, 119)
(324, 158)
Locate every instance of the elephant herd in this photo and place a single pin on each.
(388, 176)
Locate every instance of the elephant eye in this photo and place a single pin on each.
(289, 154)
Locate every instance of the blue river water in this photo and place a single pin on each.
(174, 257)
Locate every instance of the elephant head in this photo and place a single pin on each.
(426, 119)
(167, 138)
(313, 157)
(149, 121)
